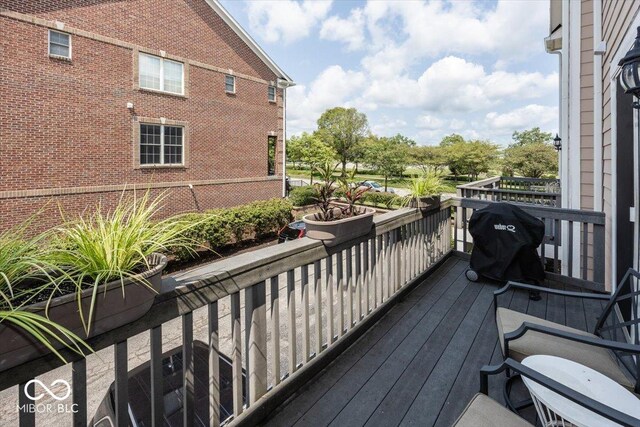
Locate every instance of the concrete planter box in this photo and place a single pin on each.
(332, 233)
(425, 204)
(111, 311)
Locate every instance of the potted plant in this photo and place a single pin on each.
(108, 269)
(335, 224)
(424, 192)
(26, 280)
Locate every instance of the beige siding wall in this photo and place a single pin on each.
(586, 105)
(617, 16)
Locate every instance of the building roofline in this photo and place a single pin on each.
(235, 26)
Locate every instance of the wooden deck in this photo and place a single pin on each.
(419, 364)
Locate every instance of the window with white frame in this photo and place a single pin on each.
(230, 84)
(271, 92)
(161, 145)
(160, 74)
(59, 44)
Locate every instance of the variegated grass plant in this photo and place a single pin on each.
(107, 246)
(25, 277)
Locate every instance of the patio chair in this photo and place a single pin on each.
(483, 411)
(607, 350)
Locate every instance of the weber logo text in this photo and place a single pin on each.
(502, 227)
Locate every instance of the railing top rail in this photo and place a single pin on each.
(481, 183)
(525, 179)
(185, 292)
(520, 192)
(592, 217)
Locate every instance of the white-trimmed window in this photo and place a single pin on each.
(160, 74)
(161, 145)
(230, 84)
(271, 93)
(59, 44)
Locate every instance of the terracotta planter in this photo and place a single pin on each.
(425, 204)
(333, 233)
(110, 312)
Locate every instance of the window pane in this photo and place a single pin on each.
(149, 144)
(272, 93)
(172, 145)
(59, 50)
(230, 84)
(149, 75)
(173, 76)
(59, 38)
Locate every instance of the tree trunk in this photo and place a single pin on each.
(344, 167)
(385, 183)
(311, 176)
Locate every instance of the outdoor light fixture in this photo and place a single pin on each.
(630, 75)
(557, 142)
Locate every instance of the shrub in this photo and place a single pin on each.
(302, 196)
(221, 227)
(381, 199)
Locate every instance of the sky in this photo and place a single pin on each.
(424, 69)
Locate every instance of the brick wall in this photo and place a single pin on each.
(65, 124)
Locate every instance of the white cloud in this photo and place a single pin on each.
(429, 122)
(349, 31)
(332, 88)
(454, 84)
(523, 118)
(388, 126)
(286, 20)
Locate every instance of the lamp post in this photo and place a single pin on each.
(557, 143)
(630, 75)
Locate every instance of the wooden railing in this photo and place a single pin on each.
(538, 191)
(299, 305)
(577, 258)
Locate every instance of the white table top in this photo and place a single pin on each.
(584, 380)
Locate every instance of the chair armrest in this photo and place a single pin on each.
(585, 339)
(564, 391)
(518, 285)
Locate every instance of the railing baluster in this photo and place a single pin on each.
(556, 236)
(570, 242)
(378, 271)
(585, 250)
(340, 276)
(291, 310)
(317, 279)
(330, 284)
(350, 285)
(188, 383)
(157, 392)
(256, 335)
(543, 245)
(214, 367)
(389, 258)
(358, 283)
(304, 301)
(236, 353)
(79, 379)
(598, 253)
(464, 230)
(121, 404)
(27, 417)
(398, 259)
(274, 317)
(366, 282)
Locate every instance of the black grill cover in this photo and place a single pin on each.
(505, 239)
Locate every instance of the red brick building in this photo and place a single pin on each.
(98, 96)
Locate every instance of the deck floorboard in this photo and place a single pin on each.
(419, 364)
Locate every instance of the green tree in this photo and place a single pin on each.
(534, 135)
(344, 129)
(531, 154)
(428, 157)
(449, 140)
(388, 156)
(311, 150)
(470, 157)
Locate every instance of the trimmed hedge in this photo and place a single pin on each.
(302, 196)
(381, 199)
(221, 227)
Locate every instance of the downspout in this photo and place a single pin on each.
(284, 85)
